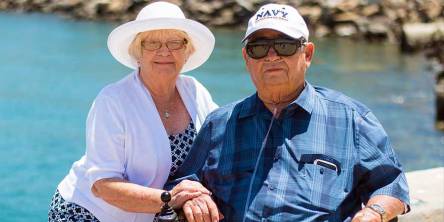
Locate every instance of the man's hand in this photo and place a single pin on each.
(201, 209)
(186, 190)
(367, 215)
(392, 208)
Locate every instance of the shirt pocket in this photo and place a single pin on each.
(326, 186)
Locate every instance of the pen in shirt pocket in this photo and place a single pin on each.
(322, 160)
(326, 164)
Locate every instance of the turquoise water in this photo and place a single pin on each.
(52, 68)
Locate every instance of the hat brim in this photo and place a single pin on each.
(121, 37)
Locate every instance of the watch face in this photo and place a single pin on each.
(380, 210)
(377, 208)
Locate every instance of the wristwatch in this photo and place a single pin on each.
(380, 210)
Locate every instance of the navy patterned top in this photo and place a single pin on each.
(180, 146)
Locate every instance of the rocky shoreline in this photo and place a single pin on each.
(370, 19)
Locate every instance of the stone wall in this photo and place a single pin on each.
(372, 19)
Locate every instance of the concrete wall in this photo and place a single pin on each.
(426, 196)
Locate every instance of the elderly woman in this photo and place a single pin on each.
(140, 129)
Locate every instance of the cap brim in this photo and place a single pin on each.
(121, 37)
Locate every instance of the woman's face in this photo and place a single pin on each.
(163, 54)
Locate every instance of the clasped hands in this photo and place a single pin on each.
(195, 201)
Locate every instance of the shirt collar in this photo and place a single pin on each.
(305, 100)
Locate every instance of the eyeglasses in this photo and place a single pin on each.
(171, 45)
(258, 49)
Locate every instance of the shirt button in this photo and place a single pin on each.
(321, 171)
(264, 220)
(271, 187)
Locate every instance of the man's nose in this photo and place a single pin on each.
(272, 52)
(272, 55)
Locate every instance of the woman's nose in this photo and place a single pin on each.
(163, 49)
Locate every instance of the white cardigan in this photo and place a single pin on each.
(125, 138)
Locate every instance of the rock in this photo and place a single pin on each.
(370, 10)
(4, 5)
(65, 4)
(347, 5)
(390, 13)
(93, 9)
(346, 17)
(249, 5)
(346, 29)
(204, 18)
(401, 14)
(416, 35)
(413, 17)
(205, 8)
(216, 5)
(176, 2)
(321, 31)
(378, 27)
(199, 7)
(394, 3)
(89, 9)
(22, 2)
(432, 8)
(439, 90)
(313, 13)
(226, 17)
(118, 6)
(39, 2)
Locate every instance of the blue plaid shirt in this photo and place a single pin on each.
(325, 155)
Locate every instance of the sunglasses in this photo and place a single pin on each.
(259, 48)
(171, 45)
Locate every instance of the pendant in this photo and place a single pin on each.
(167, 115)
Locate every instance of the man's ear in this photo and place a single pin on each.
(244, 54)
(309, 52)
(246, 58)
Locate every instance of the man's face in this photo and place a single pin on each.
(273, 72)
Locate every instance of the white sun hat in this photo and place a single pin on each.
(161, 15)
(281, 18)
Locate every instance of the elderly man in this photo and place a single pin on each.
(292, 151)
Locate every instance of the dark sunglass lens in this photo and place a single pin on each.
(257, 50)
(286, 48)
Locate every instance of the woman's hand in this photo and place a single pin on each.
(186, 190)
